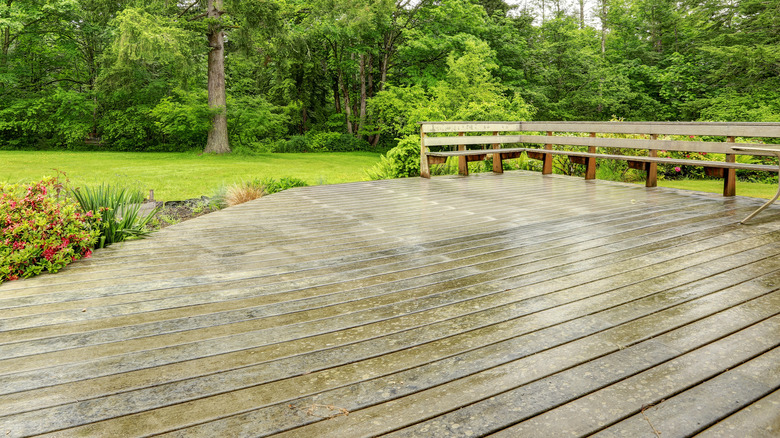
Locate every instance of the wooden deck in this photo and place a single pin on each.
(505, 305)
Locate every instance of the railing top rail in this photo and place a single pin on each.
(727, 129)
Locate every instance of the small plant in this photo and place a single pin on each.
(115, 212)
(248, 191)
(240, 193)
(401, 161)
(41, 229)
(271, 185)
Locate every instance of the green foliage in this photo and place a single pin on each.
(252, 119)
(401, 161)
(115, 212)
(760, 103)
(315, 141)
(134, 73)
(272, 185)
(182, 120)
(469, 92)
(40, 229)
(150, 39)
(62, 119)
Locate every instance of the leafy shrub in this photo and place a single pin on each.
(115, 212)
(271, 185)
(252, 119)
(400, 162)
(58, 119)
(336, 142)
(296, 143)
(322, 142)
(129, 129)
(182, 120)
(41, 229)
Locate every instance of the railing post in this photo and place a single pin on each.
(590, 167)
(425, 170)
(463, 164)
(730, 175)
(547, 162)
(652, 168)
(498, 166)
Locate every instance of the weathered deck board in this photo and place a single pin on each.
(495, 304)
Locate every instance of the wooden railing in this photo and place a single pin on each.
(499, 140)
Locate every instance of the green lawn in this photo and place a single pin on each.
(178, 176)
(753, 190)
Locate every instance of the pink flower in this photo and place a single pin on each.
(677, 169)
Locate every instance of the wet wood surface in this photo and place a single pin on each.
(496, 305)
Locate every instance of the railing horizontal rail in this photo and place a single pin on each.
(722, 129)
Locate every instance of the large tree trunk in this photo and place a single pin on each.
(218, 134)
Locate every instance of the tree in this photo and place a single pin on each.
(218, 142)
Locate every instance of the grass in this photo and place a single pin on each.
(753, 190)
(179, 176)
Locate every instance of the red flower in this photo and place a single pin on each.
(49, 253)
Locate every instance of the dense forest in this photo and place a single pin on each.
(277, 75)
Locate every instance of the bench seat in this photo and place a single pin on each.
(650, 137)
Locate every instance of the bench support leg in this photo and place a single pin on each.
(498, 165)
(463, 164)
(652, 169)
(547, 162)
(425, 168)
(590, 167)
(730, 177)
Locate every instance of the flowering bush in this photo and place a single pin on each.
(673, 171)
(40, 229)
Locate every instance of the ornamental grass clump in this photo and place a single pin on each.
(249, 191)
(41, 229)
(116, 212)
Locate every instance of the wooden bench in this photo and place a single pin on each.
(497, 140)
